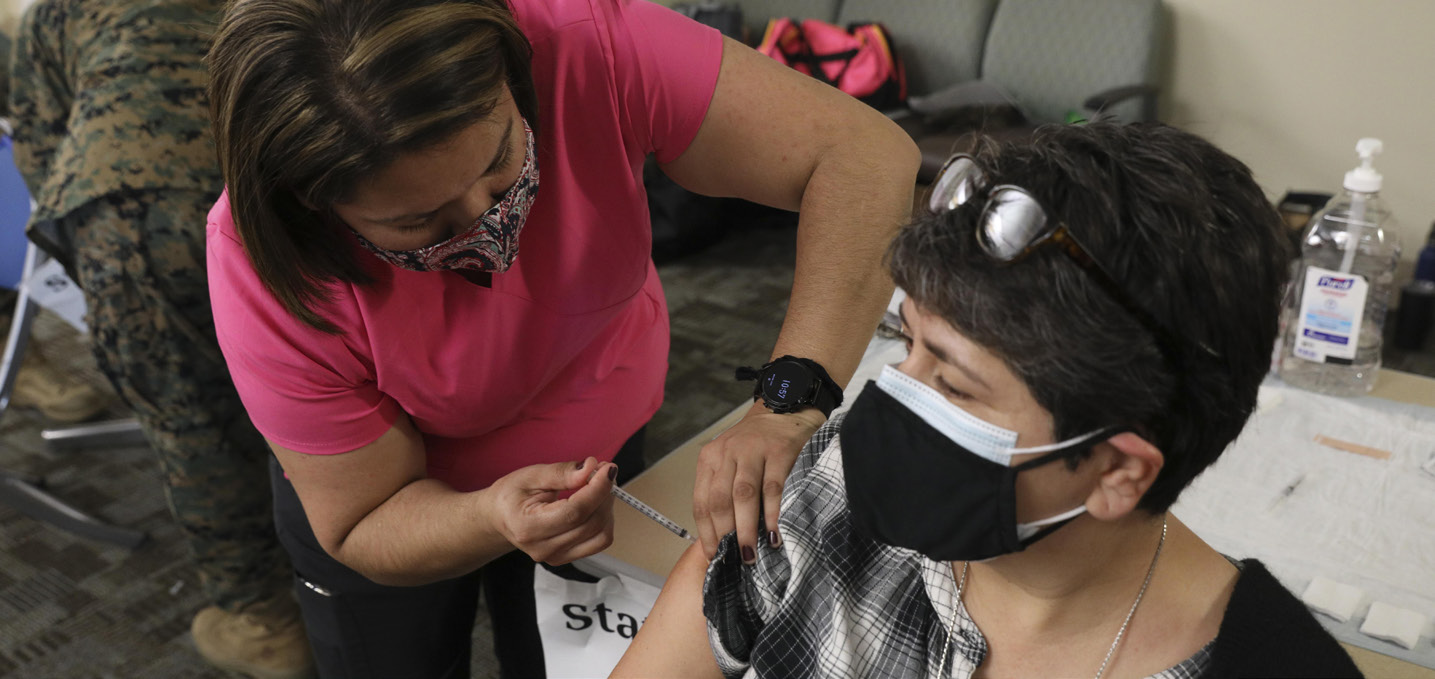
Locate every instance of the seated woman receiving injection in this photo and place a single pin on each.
(1090, 315)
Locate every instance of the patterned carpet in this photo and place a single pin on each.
(73, 609)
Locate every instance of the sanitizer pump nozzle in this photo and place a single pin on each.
(1360, 182)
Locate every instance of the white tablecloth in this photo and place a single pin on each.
(1354, 519)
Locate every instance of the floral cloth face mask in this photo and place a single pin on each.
(491, 244)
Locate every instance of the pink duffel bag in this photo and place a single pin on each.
(859, 60)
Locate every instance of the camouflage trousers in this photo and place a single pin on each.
(139, 257)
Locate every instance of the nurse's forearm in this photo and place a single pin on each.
(425, 532)
(859, 194)
(374, 510)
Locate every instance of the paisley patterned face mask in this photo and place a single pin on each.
(491, 244)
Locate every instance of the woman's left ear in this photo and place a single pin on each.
(1131, 466)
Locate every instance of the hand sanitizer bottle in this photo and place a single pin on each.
(1336, 312)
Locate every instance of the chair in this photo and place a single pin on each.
(939, 41)
(18, 258)
(1056, 56)
(1046, 59)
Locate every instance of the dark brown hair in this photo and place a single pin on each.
(1186, 232)
(310, 97)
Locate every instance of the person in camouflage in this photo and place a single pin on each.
(41, 384)
(112, 136)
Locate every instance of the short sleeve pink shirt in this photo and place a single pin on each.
(565, 355)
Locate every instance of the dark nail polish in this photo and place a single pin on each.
(612, 472)
(747, 555)
(581, 463)
(773, 540)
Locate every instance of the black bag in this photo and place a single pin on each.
(726, 17)
(684, 222)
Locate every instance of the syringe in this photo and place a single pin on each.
(653, 514)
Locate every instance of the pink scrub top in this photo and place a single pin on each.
(564, 357)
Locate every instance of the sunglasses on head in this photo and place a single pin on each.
(1013, 223)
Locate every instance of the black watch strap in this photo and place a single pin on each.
(826, 396)
(829, 395)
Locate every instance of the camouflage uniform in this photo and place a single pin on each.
(112, 136)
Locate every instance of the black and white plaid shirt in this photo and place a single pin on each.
(833, 603)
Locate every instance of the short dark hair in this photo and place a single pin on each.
(1186, 232)
(311, 97)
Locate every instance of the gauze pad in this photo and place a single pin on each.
(1332, 598)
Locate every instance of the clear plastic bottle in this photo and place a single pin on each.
(1334, 319)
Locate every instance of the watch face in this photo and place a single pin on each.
(786, 383)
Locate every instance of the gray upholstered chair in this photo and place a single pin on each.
(1054, 57)
(1046, 59)
(939, 41)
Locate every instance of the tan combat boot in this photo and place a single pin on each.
(58, 396)
(265, 641)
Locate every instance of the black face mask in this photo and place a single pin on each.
(909, 485)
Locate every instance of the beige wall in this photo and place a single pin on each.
(1289, 86)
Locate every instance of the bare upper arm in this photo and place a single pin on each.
(338, 491)
(673, 641)
(768, 127)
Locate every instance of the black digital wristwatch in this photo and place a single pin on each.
(789, 384)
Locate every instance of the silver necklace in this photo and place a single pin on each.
(962, 584)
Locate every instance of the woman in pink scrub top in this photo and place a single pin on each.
(432, 283)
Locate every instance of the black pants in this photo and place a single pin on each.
(361, 630)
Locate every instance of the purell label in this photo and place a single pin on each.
(1333, 283)
(1331, 310)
